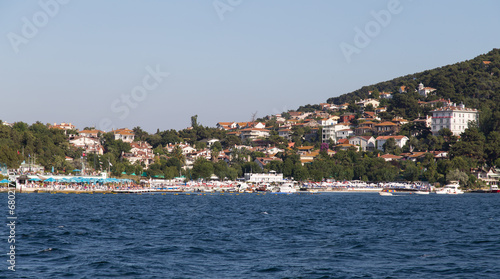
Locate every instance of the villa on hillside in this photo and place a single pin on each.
(455, 118)
(424, 91)
(366, 143)
(399, 140)
(124, 134)
(254, 133)
(330, 132)
(63, 126)
(386, 128)
(89, 144)
(90, 133)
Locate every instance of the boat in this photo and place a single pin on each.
(383, 193)
(422, 192)
(494, 189)
(450, 189)
(287, 188)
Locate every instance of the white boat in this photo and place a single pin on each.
(422, 192)
(385, 193)
(288, 188)
(450, 189)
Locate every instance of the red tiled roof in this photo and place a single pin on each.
(389, 137)
(387, 123)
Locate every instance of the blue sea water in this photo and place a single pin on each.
(334, 235)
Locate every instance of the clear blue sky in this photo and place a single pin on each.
(84, 57)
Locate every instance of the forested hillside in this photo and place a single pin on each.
(474, 82)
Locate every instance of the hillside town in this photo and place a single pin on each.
(362, 126)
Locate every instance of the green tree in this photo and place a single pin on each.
(202, 169)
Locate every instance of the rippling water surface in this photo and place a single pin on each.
(338, 235)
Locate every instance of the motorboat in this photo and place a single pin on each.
(383, 193)
(450, 189)
(287, 188)
(422, 192)
(494, 189)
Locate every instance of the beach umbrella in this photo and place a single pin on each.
(35, 179)
(51, 179)
(76, 170)
(4, 181)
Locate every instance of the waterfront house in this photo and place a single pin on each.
(489, 176)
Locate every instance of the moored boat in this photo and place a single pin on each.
(450, 189)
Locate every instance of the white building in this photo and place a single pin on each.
(264, 177)
(366, 102)
(400, 141)
(343, 134)
(366, 143)
(90, 145)
(126, 135)
(330, 132)
(253, 133)
(455, 118)
(424, 91)
(329, 121)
